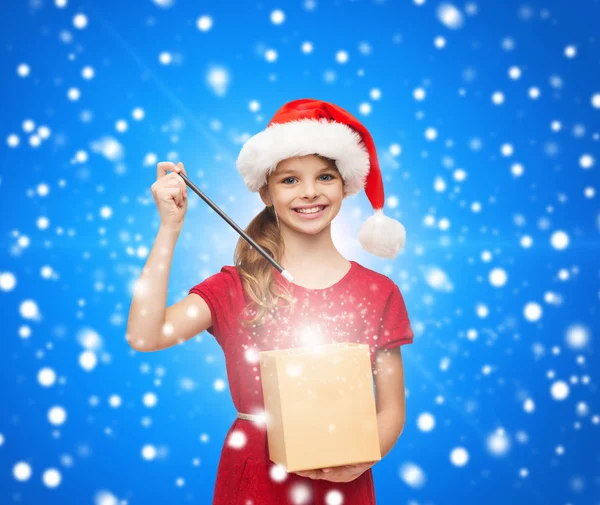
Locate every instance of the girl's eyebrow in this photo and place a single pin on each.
(292, 171)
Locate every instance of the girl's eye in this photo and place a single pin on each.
(324, 175)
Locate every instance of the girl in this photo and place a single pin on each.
(310, 158)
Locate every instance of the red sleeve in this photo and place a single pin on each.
(216, 291)
(395, 325)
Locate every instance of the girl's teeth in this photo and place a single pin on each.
(311, 211)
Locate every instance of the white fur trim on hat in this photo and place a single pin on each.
(262, 152)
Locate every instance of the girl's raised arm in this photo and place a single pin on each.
(151, 326)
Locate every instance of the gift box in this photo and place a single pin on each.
(320, 406)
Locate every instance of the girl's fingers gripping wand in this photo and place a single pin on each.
(244, 235)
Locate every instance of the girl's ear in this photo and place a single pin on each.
(264, 196)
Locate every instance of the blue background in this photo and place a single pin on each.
(472, 370)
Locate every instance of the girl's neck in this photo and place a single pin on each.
(308, 253)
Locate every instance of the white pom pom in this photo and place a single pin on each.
(382, 236)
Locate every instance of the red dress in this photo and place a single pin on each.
(364, 306)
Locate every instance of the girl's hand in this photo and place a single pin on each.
(170, 194)
(345, 473)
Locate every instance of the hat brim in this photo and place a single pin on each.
(262, 152)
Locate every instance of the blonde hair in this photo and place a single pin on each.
(256, 272)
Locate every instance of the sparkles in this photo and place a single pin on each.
(329, 76)
(87, 73)
(559, 240)
(586, 161)
(342, 57)
(105, 498)
(412, 475)
(277, 17)
(307, 47)
(507, 150)
(559, 390)
(89, 339)
(437, 279)
(165, 58)
(514, 73)
(219, 385)
(419, 94)
(431, 134)
(459, 456)
(498, 277)
(570, 51)
(426, 422)
(108, 147)
(271, 55)
(300, 494)
(7, 281)
(278, 473)
(375, 94)
(80, 21)
(148, 452)
(29, 310)
(498, 443)
(334, 497)
(28, 126)
(364, 108)
(115, 401)
(23, 70)
(534, 93)
(13, 140)
(582, 409)
(251, 355)
(46, 377)
(482, 311)
(204, 23)
(498, 98)
(22, 471)
(439, 42)
(57, 416)
(517, 169)
(150, 400)
(577, 337)
(450, 16)
(87, 360)
(167, 329)
(529, 406)
(237, 439)
(460, 175)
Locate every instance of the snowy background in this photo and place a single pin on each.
(486, 118)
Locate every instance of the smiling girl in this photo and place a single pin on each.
(310, 158)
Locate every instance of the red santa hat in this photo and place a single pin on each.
(307, 126)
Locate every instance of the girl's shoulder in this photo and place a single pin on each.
(373, 277)
(227, 279)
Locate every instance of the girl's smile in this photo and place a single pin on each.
(311, 213)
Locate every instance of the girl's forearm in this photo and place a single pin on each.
(390, 424)
(148, 307)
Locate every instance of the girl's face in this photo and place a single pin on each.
(305, 181)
